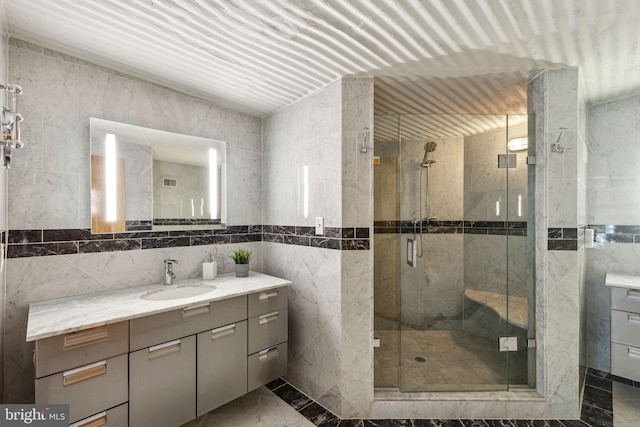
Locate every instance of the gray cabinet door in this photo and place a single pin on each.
(162, 384)
(222, 366)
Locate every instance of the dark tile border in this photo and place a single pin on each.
(499, 228)
(591, 414)
(611, 233)
(563, 239)
(32, 243)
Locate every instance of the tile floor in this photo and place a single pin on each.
(607, 403)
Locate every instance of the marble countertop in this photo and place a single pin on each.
(622, 280)
(63, 315)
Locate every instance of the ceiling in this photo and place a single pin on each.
(429, 56)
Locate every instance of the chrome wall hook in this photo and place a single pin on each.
(364, 146)
(556, 147)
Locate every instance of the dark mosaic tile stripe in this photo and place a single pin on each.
(537, 423)
(28, 243)
(245, 238)
(169, 242)
(25, 236)
(562, 245)
(355, 245)
(294, 398)
(296, 240)
(139, 234)
(487, 423)
(437, 423)
(599, 379)
(598, 397)
(210, 240)
(109, 245)
(321, 242)
(273, 238)
(42, 249)
(333, 232)
(388, 423)
(596, 417)
(66, 235)
(275, 384)
(320, 416)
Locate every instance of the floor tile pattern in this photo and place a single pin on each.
(609, 401)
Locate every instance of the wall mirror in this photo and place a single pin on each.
(148, 179)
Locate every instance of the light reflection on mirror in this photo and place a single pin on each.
(147, 179)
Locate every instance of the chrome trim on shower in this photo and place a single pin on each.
(11, 135)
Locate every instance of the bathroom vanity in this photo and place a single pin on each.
(625, 325)
(152, 356)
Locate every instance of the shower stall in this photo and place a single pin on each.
(453, 253)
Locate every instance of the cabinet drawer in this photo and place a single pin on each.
(163, 327)
(267, 330)
(80, 348)
(162, 384)
(625, 299)
(267, 301)
(266, 366)
(625, 361)
(222, 366)
(625, 328)
(88, 389)
(114, 417)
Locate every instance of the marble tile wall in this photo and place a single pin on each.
(307, 134)
(613, 179)
(485, 183)
(3, 195)
(50, 184)
(446, 178)
(553, 97)
(330, 356)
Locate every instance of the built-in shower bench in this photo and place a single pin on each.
(485, 314)
(518, 311)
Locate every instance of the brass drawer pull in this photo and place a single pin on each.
(267, 318)
(268, 354)
(264, 296)
(225, 331)
(633, 294)
(84, 373)
(98, 420)
(165, 349)
(194, 311)
(633, 319)
(634, 353)
(85, 337)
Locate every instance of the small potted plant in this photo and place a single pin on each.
(241, 258)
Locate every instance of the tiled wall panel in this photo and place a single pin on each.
(50, 184)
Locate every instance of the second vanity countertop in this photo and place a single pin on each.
(64, 315)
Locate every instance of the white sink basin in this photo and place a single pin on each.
(177, 292)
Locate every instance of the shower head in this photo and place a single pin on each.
(429, 147)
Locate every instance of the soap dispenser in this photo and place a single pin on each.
(209, 269)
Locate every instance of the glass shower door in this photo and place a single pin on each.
(462, 252)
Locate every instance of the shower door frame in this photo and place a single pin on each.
(530, 243)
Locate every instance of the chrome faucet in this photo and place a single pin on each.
(168, 270)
